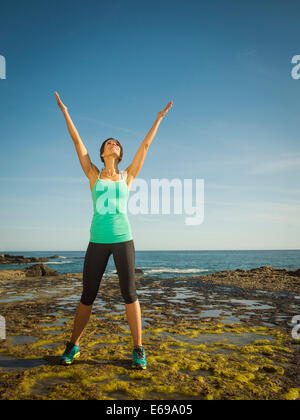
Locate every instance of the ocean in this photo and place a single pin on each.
(171, 264)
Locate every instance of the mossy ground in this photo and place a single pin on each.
(242, 360)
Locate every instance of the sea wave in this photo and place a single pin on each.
(174, 270)
(58, 262)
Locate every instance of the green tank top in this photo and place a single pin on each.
(110, 223)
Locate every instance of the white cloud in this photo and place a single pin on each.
(43, 228)
(258, 211)
(290, 154)
(250, 61)
(276, 166)
(295, 191)
(113, 126)
(46, 179)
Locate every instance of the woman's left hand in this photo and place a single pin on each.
(162, 113)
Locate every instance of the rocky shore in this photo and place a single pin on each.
(36, 270)
(222, 336)
(20, 259)
(264, 278)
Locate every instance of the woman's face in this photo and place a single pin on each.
(111, 148)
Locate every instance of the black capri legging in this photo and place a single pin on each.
(95, 262)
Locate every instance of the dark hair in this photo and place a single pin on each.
(103, 145)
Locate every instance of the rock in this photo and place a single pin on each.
(295, 273)
(260, 278)
(20, 259)
(38, 270)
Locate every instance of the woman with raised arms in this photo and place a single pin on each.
(110, 233)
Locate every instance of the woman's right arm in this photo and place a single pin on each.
(82, 153)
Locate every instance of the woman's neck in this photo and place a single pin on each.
(111, 170)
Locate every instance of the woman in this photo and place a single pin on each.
(110, 233)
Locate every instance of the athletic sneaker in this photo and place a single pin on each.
(139, 358)
(72, 352)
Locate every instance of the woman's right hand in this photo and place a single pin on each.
(60, 104)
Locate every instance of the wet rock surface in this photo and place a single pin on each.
(20, 259)
(220, 336)
(38, 270)
(264, 278)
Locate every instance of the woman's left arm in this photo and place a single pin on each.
(134, 168)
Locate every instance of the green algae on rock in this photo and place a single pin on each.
(188, 358)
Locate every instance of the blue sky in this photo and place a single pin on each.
(234, 123)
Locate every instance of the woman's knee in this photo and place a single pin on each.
(86, 304)
(129, 297)
(87, 299)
